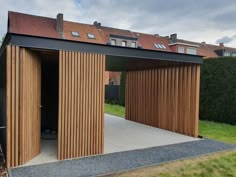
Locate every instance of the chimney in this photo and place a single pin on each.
(97, 25)
(221, 45)
(59, 25)
(173, 38)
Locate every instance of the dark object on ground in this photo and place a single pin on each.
(3, 169)
(121, 161)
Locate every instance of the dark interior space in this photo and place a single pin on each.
(49, 93)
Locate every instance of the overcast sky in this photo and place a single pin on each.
(212, 21)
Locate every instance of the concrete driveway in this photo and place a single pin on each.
(124, 135)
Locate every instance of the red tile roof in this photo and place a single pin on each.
(147, 41)
(32, 25)
(83, 30)
(46, 27)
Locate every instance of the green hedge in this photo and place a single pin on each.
(218, 90)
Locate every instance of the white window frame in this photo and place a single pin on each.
(190, 51)
(134, 46)
(91, 36)
(180, 49)
(113, 40)
(75, 33)
(125, 42)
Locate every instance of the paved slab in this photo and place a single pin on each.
(48, 153)
(121, 161)
(120, 135)
(124, 135)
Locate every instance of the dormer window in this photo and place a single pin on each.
(123, 43)
(180, 49)
(192, 51)
(133, 44)
(113, 42)
(91, 36)
(75, 33)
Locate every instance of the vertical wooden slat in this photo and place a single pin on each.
(80, 100)
(59, 148)
(17, 104)
(9, 135)
(22, 121)
(76, 92)
(197, 96)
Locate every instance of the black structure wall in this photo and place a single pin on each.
(112, 93)
(3, 101)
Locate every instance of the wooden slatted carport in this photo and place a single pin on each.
(162, 90)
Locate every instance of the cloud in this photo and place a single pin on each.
(204, 21)
(226, 39)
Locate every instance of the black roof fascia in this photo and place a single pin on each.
(60, 44)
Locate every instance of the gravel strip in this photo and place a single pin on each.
(121, 161)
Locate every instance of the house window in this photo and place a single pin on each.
(226, 54)
(180, 49)
(157, 45)
(133, 44)
(124, 44)
(113, 42)
(163, 46)
(233, 54)
(160, 46)
(75, 33)
(192, 51)
(91, 36)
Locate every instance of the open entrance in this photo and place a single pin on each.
(49, 108)
(152, 112)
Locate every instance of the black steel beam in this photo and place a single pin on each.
(59, 44)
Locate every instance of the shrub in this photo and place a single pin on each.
(218, 90)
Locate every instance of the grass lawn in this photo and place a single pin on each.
(218, 131)
(218, 165)
(116, 110)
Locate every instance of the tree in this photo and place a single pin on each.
(1, 41)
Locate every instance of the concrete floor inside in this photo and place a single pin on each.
(120, 135)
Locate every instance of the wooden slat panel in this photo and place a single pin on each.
(23, 101)
(30, 99)
(83, 118)
(168, 99)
